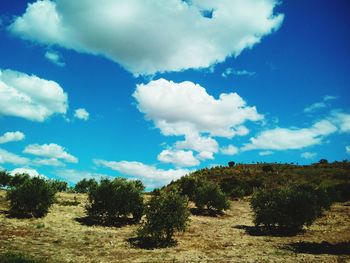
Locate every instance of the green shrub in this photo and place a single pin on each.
(32, 198)
(110, 200)
(17, 258)
(59, 186)
(288, 208)
(210, 196)
(85, 185)
(165, 213)
(18, 179)
(5, 178)
(188, 186)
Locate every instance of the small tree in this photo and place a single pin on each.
(288, 208)
(110, 200)
(32, 198)
(59, 186)
(165, 214)
(210, 196)
(85, 185)
(5, 178)
(231, 164)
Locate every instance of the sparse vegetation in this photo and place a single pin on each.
(17, 258)
(32, 198)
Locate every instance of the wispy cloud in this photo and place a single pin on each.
(55, 58)
(230, 71)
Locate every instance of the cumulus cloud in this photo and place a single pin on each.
(150, 175)
(293, 138)
(8, 157)
(12, 137)
(229, 150)
(205, 155)
(30, 97)
(187, 109)
(180, 35)
(31, 172)
(55, 58)
(179, 158)
(308, 155)
(51, 150)
(81, 114)
(230, 71)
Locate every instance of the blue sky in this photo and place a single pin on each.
(153, 90)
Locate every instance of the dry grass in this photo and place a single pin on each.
(59, 237)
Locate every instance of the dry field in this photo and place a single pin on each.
(61, 237)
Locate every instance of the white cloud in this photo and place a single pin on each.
(48, 162)
(178, 36)
(30, 97)
(347, 149)
(74, 176)
(198, 143)
(8, 157)
(315, 106)
(320, 105)
(179, 158)
(308, 155)
(150, 175)
(81, 114)
(229, 150)
(55, 58)
(51, 150)
(31, 172)
(187, 109)
(265, 153)
(11, 137)
(342, 120)
(205, 155)
(286, 139)
(230, 71)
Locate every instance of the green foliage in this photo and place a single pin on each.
(32, 198)
(18, 179)
(209, 195)
(110, 200)
(5, 178)
(288, 208)
(17, 258)
(85, 185)
(188, 186)
(59, 186)
(165, 213)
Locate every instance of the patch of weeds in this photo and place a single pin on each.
(15, 257)
(40, 225)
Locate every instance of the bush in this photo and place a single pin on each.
(288, 208)
(165, 214)
(209, 195)
(17, 258)
(110, 200)
(18, 179)
(188, 186)
(59, 186)
(32, 198)
(85, 185)
(5, 178)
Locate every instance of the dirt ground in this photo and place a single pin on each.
(62, 236)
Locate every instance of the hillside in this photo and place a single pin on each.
(64, 236)
(240, 179)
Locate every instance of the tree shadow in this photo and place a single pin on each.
(268, 231)
(114, 222)
(342, 248)
(205, 212)
(148, 243)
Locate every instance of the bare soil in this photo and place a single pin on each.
(64, 236)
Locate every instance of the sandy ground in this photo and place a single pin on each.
(60, 237)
